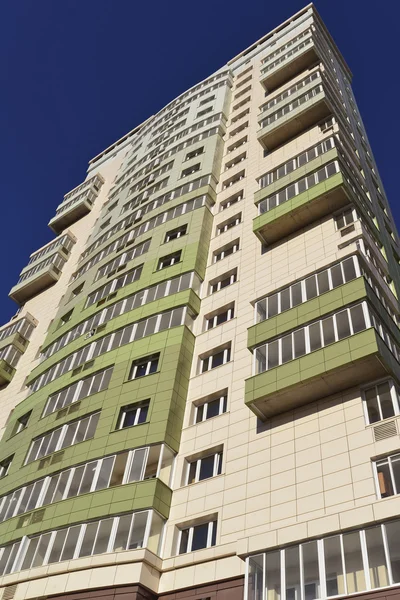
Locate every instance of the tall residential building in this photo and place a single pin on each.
(200, 389)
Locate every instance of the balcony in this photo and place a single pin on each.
(298, 115)
(281, 215)
(6, 372)
(43, 269)
(328, 353)
(37, 279)
(290, 64)
(343, 365)
(76, 204)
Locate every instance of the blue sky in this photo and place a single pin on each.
(78, 74)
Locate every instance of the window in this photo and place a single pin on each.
(225, 251)
(387, 473)
(65, 318)
(204, 112)
(112, 534)
(197, 537)
(237, 144)
(134, 414)
(213, 406)
(232, 222)
(194, 153)
(21, 423)
(190, 170)
(168, 261)
(240, 128)
(346, 217)
(174, 234)
(222, 315)
(76, 291)
(217, 357)
(115, 284)
(231, 200)
(144, 366)
(117, 469)
(312, 286)
(235, 161)
(63, 437)
(296, 162)
(381, 401)
(232, 180)
(78, 390)
(312, 337)
(340, 564)
(205, 467)
(223, 281)
(5, 465)
(298, 187)
(205, 100)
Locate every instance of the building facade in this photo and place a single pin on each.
(199, 390)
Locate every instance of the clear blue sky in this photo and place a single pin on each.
(78, 74)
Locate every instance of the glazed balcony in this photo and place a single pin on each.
(290, 373)
(76, 204)
(301, 111)
(289, 63)
(43, 269)
(304, 201)
(37, 279)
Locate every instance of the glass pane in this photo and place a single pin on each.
(395, 462)
(104, 475)
(328, 331)
(272, 305)
(87, 480)
(212, 408)
(103, 536)
(273, 576)
(357, 318)
(121, 538)
(385, 400)
(323, 282)
(261, 309)
(261, 359)
(376, 558)
(393, 538)
(285, 299)
(384, 479)
(33, 543)
(206, 467)
(337, 277)
(315, 336)
(137, 535)
(273, 354)
(88, 539)
(342, 324)
(70, 542)
(333, 566)
(119, 469)
(292, 568)
(372, 405)
(355, 577)
(200, 533)
(184, 541)
(311, 572)
(61, 486)
(349, 269)
(296, 294)
(255, 584)
(311, 287)
(76, 481)
(135, 472)
(299, 343)
(287, 348)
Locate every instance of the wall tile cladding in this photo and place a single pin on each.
(194, 256)
(167, 390)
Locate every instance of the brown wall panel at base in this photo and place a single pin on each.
(230, 589)
(127, 592)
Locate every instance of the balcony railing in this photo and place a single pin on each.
(76, 204)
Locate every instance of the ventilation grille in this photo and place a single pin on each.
(385, 430)
(57, 458)
(44, 462)
(9, 592)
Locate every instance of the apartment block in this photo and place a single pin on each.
(200, 388)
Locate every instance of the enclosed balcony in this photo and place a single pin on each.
(76, 204)
(43, 269)
(288, 63)
(343, 350)
(297, 113)
(304, 201)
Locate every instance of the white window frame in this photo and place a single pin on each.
(218, 458)
(211, 525)
(122, 415)
(223, 400)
